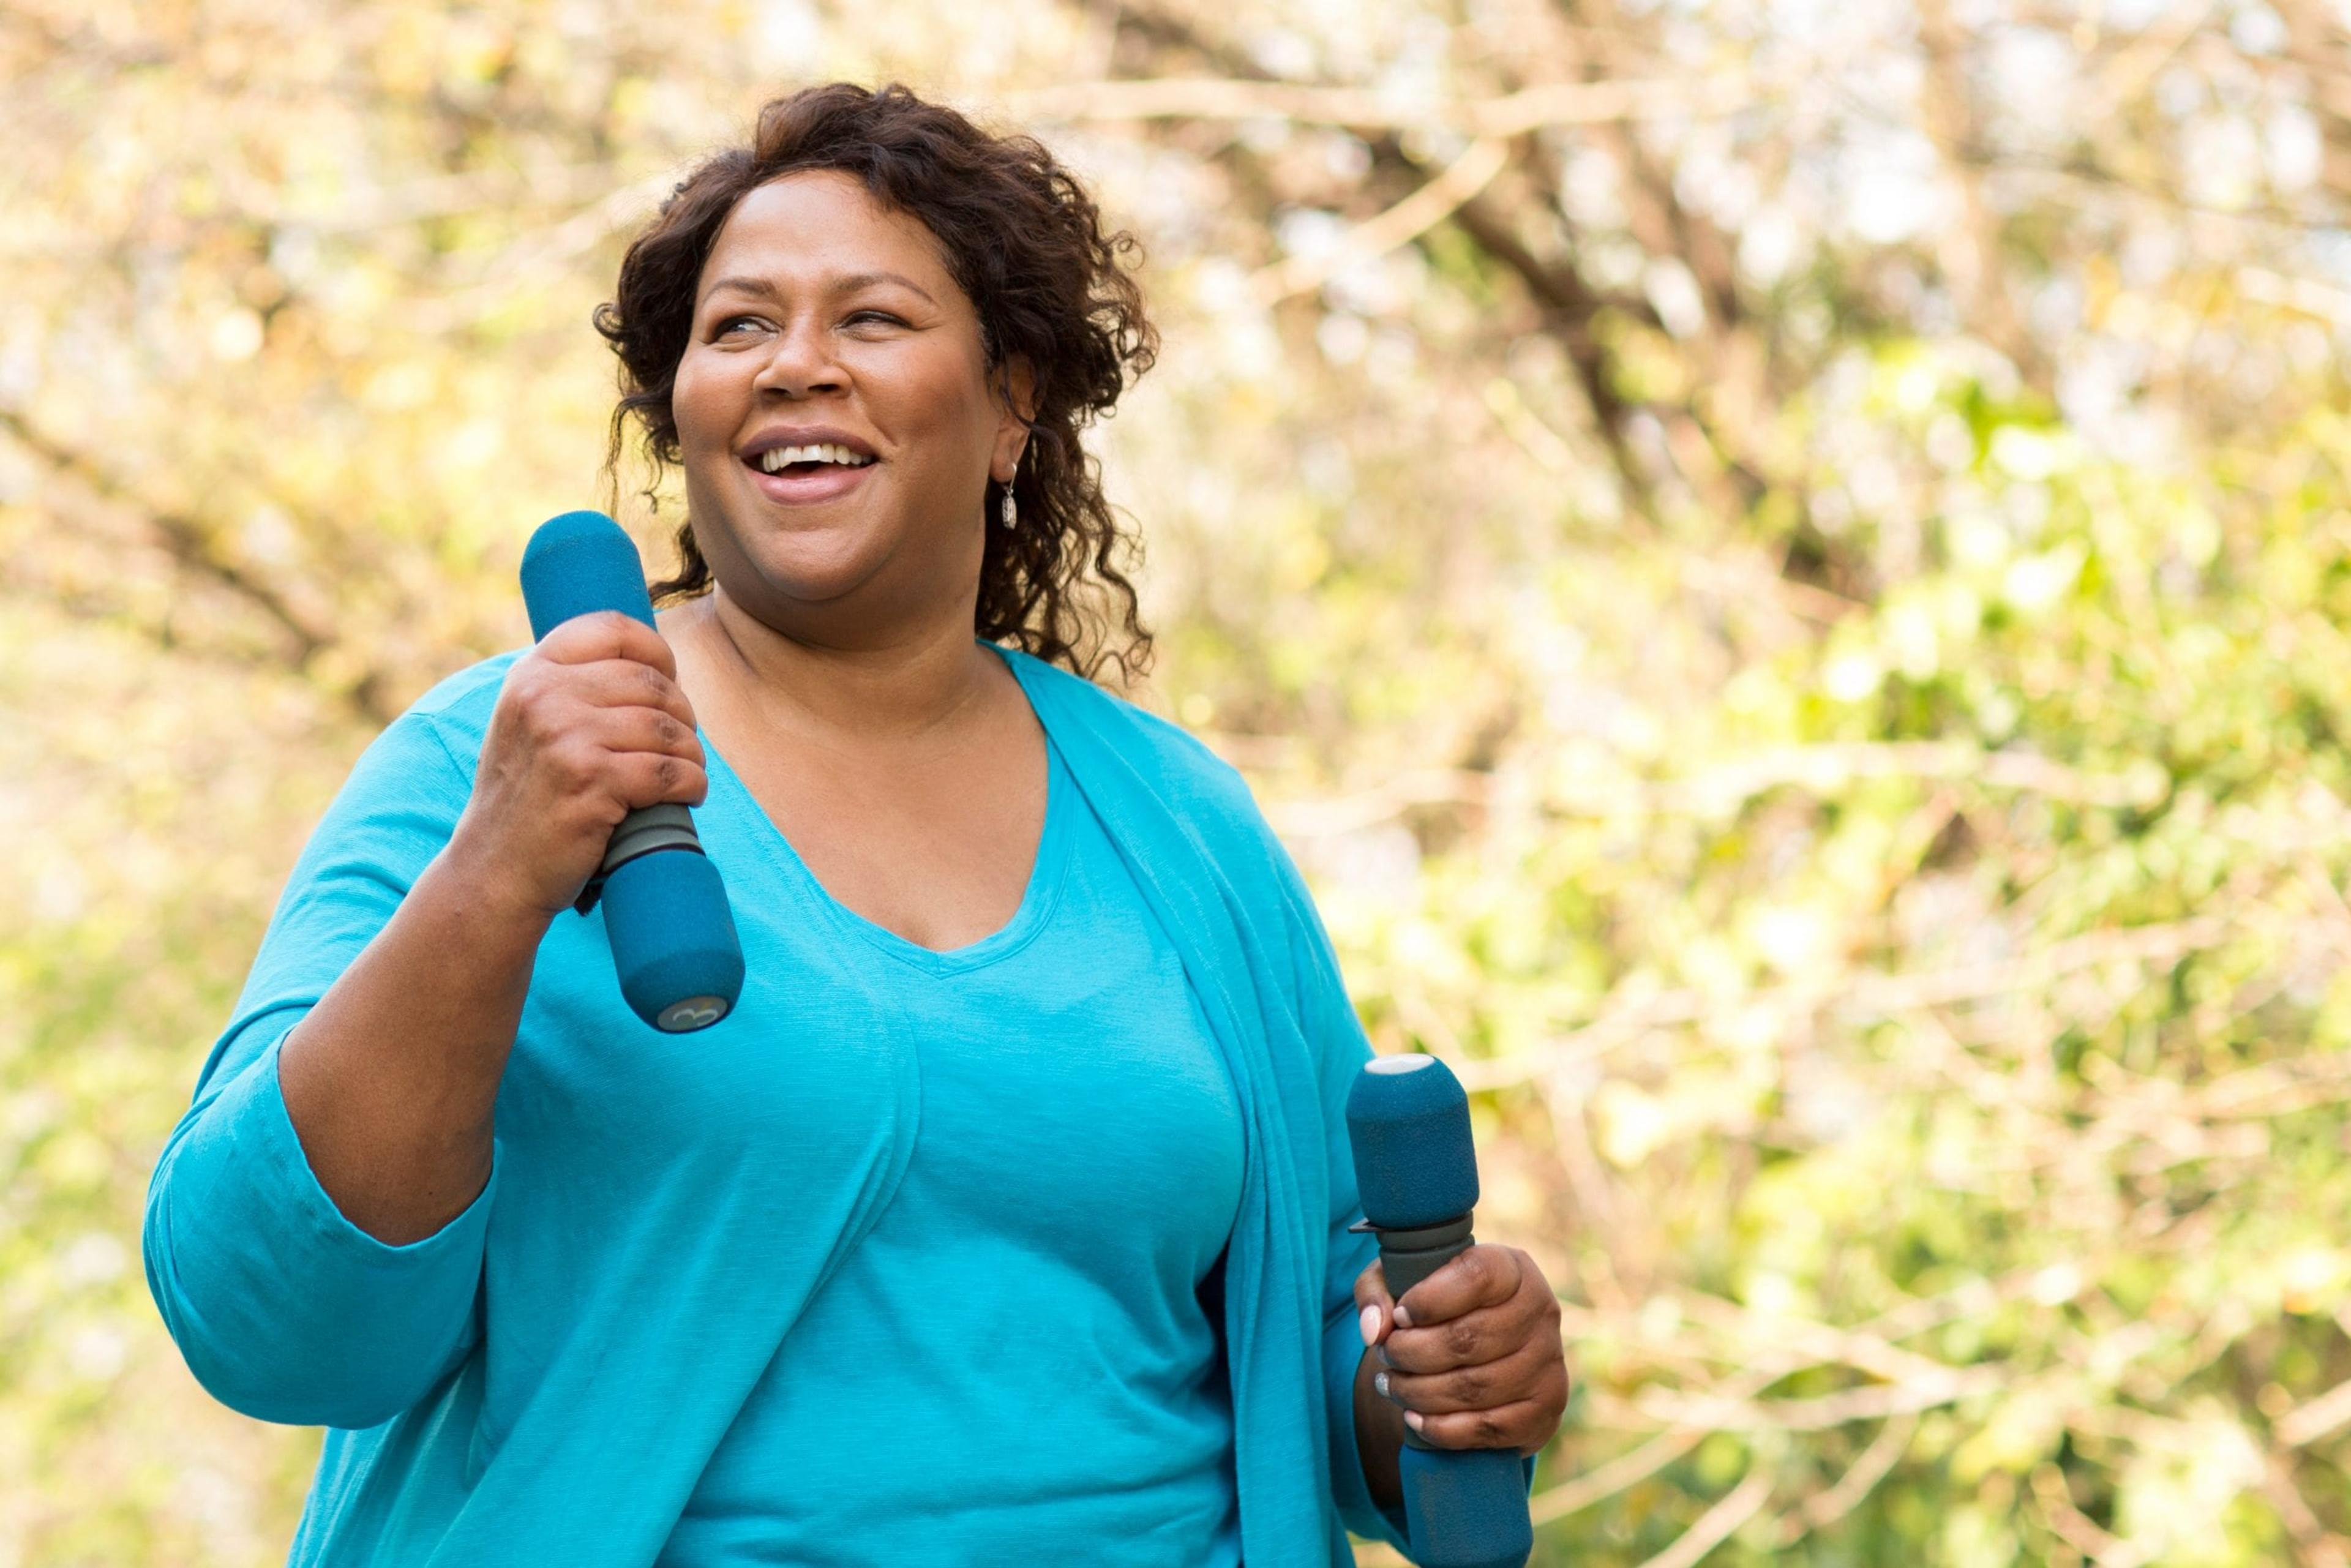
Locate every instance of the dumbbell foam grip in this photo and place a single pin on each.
(1408, 1122)
(673, 943)
(1466, 1507)
(674, 947)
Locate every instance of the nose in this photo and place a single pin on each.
(802, 363)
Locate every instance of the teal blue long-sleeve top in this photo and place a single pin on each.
(659, 1332)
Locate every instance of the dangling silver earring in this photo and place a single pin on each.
(1009, 512)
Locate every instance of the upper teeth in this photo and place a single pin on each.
(776, 459)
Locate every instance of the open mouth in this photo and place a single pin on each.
(807, 473)
(806, 460)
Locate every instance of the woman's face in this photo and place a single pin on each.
(823, 322)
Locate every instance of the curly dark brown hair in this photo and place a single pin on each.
(1025, 243)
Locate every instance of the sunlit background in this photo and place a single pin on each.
(1781, 566)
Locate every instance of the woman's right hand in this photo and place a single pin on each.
(589, 726)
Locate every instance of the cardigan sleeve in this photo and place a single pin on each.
(283, 1309)
(1335, 1034)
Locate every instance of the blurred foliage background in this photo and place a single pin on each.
(1782, 567)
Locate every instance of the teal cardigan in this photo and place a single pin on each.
(548, 1373)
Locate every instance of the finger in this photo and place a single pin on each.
(608, 634)
(655, 730)
(1524, 1425)
(1490, 1334)
(626, 682)
(647, 779)
(1374, 1308)
(1533, 1371)
(1481, 1276)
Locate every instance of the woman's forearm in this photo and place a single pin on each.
(391, 1079)
(1379, 1434)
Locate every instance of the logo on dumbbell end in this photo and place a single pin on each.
(695, 1012)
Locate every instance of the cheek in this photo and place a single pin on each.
(699, 397)
(954, 431)
(932, 392)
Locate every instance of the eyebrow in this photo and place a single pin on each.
(854, 281)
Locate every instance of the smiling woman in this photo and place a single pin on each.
(1015, 263)
(1008, 1214)
(875, 387)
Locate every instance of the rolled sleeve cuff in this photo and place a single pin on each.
(285, 1309)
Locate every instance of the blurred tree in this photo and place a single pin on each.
(1782, 565)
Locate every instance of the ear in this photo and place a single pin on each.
(1016, 402)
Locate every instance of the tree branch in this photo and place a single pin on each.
(1514, 114)
(190, 543)
(1426, 207)
(1718, 1524)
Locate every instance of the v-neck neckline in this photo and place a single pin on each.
(1037, 895)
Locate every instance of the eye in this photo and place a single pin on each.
(881, 316)
(732, 322)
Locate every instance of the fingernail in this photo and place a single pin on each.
(1371, 1325)
(1412, 1419)
(1404, 1319)
(1380, 1383)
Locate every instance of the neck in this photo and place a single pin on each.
(897, 688)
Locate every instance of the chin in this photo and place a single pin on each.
(808, 561)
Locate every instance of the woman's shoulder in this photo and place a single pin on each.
(1200, 790)
(460, 703)
(1177, 764)
(432, 748)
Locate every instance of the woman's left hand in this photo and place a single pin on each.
(1472, 1354)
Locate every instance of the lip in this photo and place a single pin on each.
(776, 436)
(826, 483)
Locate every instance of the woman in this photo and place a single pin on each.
(1007, 1212)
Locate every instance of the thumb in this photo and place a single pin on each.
(1373, 1306)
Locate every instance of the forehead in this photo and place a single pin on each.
(802, 229)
